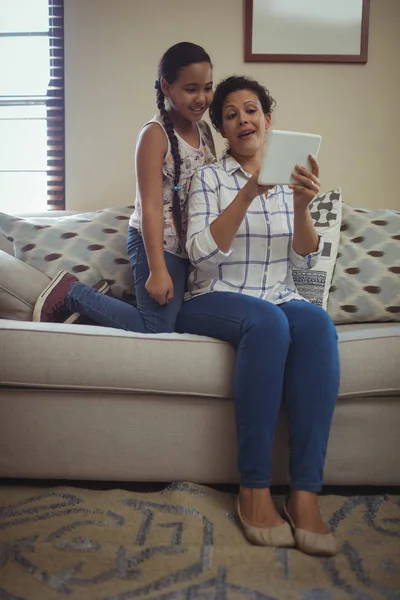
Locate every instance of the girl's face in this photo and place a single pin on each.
(191, 94)
(244, 123)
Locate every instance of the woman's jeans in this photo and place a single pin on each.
(149, 316)
(287, 351)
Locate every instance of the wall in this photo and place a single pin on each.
(112, 50)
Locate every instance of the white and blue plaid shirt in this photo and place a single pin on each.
(260, 260)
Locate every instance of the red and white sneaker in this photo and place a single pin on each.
(51, 305)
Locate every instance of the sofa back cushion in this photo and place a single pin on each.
(92, 245)
(366, 281)
(7, 246)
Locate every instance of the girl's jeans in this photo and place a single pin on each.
(149, 316)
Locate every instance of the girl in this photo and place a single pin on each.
(243, 240)
(169, 149)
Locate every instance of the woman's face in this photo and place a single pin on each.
(244, 123)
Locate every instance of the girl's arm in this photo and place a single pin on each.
(151, 149)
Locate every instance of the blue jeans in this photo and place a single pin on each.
(149, 316)
(287, 351)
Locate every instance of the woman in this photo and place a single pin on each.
(243, 240)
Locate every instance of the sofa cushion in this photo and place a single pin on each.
(92, 246)
(99, 358)
(7, 246)
(326, 213)
(366, 281)
(20, 285)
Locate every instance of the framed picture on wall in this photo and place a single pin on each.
(333, 31)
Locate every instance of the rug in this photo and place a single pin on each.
(184, 542)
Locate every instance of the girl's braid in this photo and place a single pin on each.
(173, 140)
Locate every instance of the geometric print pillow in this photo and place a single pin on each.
(326, 213)
(92, 245)
(366, 281)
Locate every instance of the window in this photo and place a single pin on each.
(31, 106)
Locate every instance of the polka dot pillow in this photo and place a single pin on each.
(366, 282)
(92, 246)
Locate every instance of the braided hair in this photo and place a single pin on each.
(175, 58)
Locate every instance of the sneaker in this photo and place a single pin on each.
(51, 306)
(102, 287)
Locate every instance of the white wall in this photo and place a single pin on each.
(112, 48)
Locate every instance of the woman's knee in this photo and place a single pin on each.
(266, 319)
(230, 316)
(311, 320)
(319, 320)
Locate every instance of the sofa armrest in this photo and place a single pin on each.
(20, 285)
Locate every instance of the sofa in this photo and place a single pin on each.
(84, 402)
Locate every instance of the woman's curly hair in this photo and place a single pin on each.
(233, 84)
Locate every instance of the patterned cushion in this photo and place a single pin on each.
(366, 281)
(326, 212)
(92, 246)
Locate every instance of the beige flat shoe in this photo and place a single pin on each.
(316, 544)
(278, 537)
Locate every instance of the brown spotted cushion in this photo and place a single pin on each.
(92, 246)
(366, 281)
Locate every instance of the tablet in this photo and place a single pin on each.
(284, 150)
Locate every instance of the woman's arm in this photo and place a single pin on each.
(210, 232)
(225, 227)
(151, 149)
(305, 238)
(307, 245)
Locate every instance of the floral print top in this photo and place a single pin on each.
(192, 159)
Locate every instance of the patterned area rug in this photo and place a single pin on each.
(184, 543)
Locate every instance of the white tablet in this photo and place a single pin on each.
(284, 150)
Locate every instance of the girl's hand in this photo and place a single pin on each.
(160, 287)
(252, 189)
(308, 184)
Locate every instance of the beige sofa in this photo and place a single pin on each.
(86, 402)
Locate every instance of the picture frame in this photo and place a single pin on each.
(327, 31)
